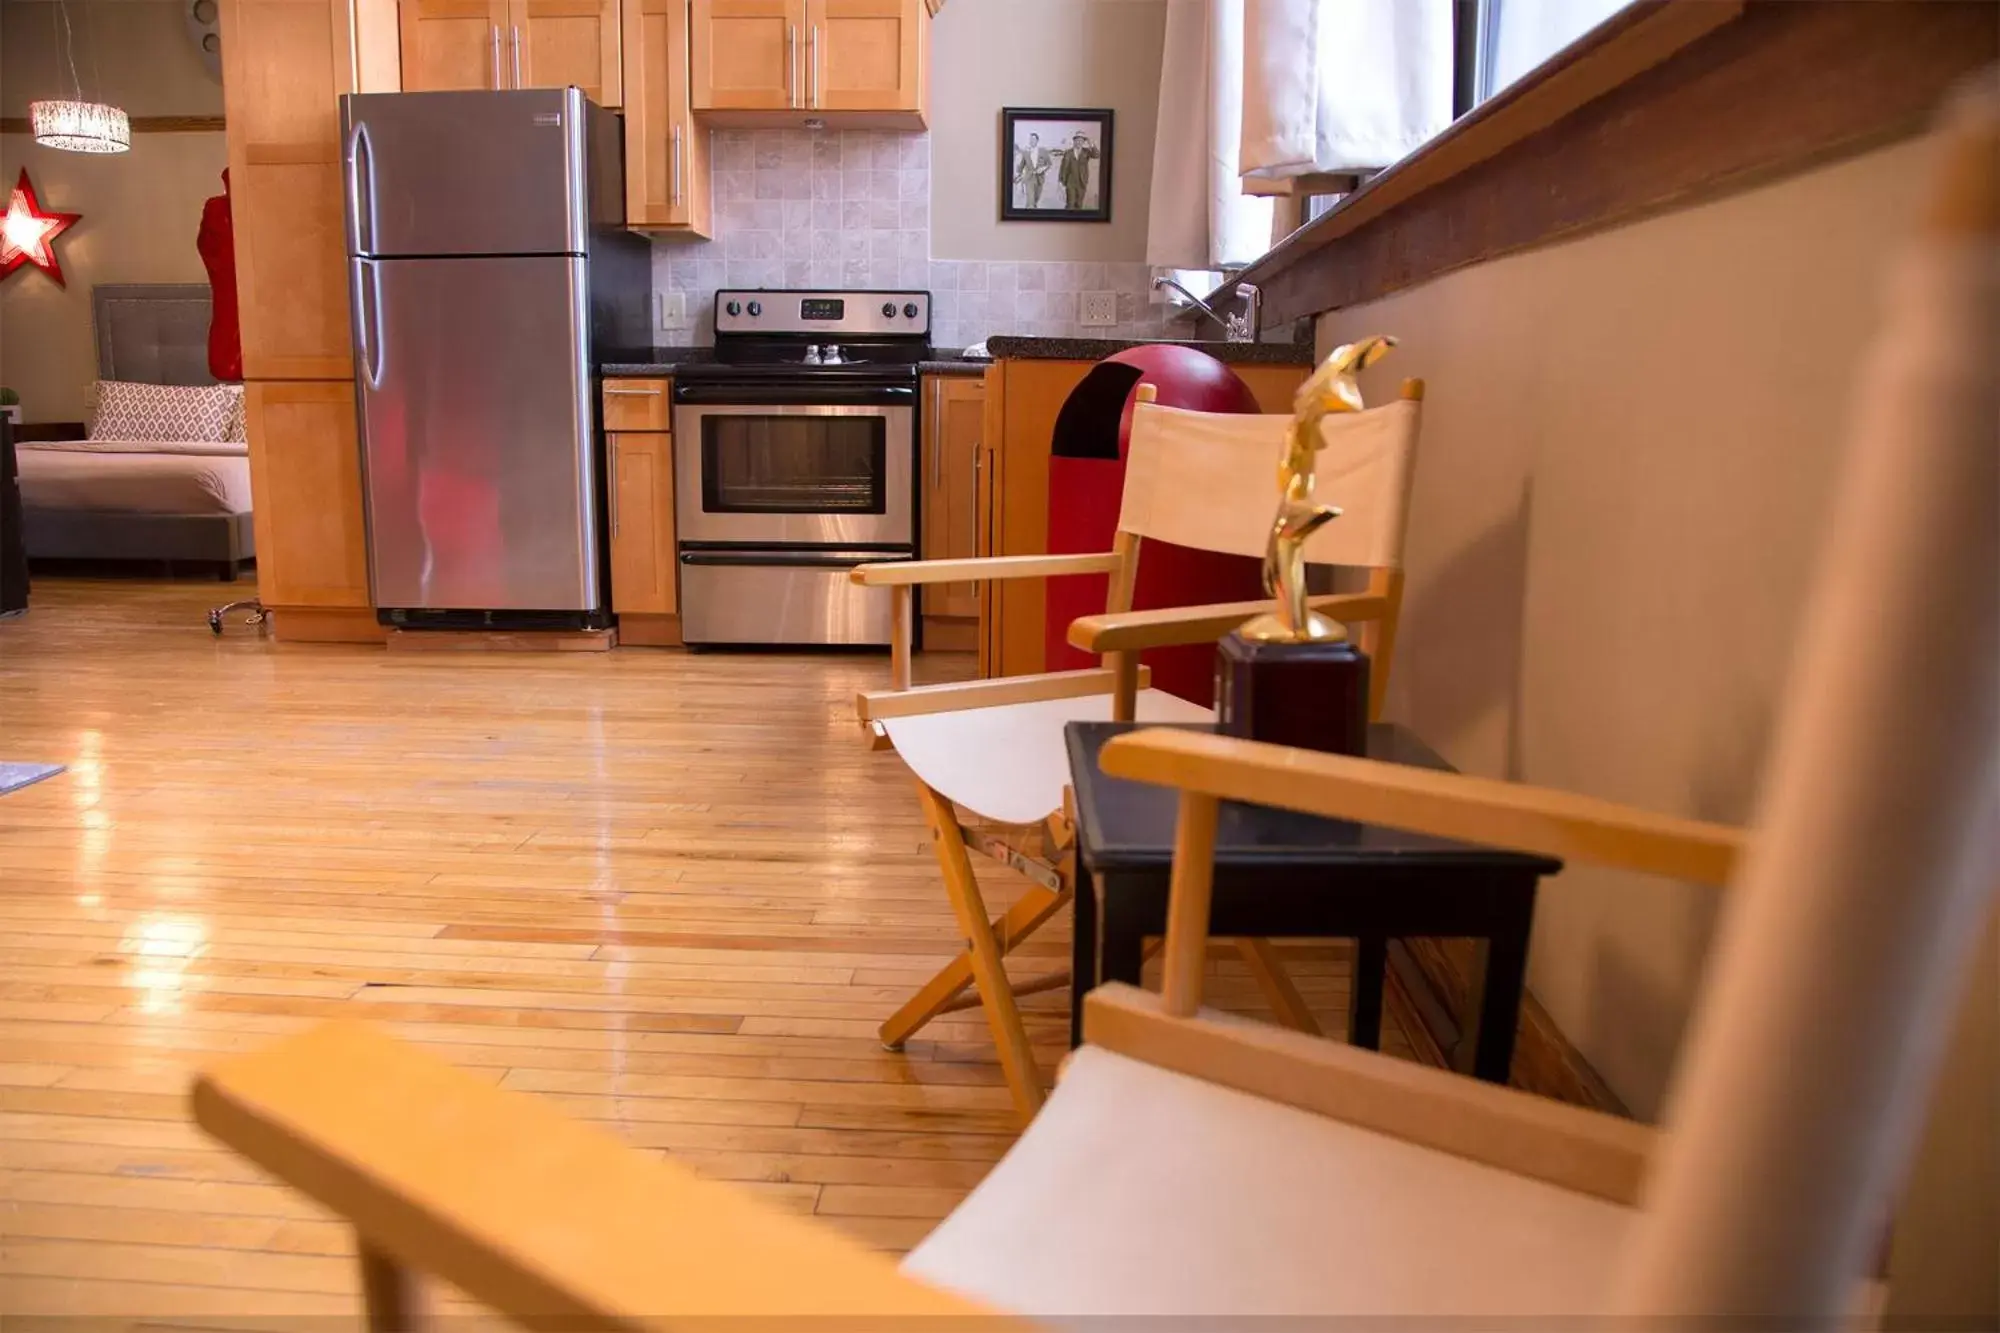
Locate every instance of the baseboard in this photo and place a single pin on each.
(502, 641)
(649, 631)
(320, 624)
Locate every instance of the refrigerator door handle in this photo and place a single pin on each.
(517, 55)
(358, 145)
(368, 326)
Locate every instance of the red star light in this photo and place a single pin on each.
(27, 235)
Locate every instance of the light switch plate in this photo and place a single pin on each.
(673, 310)
(1098, 309)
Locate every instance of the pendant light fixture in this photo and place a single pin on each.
(72, 123)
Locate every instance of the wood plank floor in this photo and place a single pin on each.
(672, 892)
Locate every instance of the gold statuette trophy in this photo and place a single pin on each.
(1290, 676)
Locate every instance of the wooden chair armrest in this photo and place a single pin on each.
(551, 1222)
(1569, 1146)
(1446, 805)
(1131, 631)
(889, 573)
(873, 705)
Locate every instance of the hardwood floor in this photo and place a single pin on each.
(674, 892)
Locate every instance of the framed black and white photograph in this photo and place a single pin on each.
(1055, 165)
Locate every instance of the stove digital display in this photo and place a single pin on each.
(824, 308)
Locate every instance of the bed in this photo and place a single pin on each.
(141, 499)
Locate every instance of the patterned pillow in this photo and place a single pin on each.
(129, 411)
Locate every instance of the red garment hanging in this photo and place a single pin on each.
(217, 243)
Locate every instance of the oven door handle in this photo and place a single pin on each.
(820, 395)
(766, 559)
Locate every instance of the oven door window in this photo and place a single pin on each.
(794, 465)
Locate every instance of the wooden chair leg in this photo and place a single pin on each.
(1279, 992)
(1002, 1014)
(1018, 922)
(388, 1292)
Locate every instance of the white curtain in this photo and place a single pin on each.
(1341, 85)
(1199, 218)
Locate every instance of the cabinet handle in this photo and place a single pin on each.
(517, 55)
(675, 198)
(978, 468)
(812, 65)
(614, 485)
(497, 85)
(937, 426)
(616, 392)
(791, 64)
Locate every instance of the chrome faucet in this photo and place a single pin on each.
(1240, 327)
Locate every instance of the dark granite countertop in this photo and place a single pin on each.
(949, 361)
(1005, 348)
(641, 362)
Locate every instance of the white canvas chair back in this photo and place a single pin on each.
(1208, 480)
(1877, 854)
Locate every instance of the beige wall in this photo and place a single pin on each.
(989, 54)
(140, 209)
(1628, 448)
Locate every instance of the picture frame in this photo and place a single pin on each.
(1040, 152)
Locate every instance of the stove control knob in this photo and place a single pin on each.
(734, 307)
(756, 309)
(888, 310)
(910, 310)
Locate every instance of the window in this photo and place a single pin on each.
(1517, 35)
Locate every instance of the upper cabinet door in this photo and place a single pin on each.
(284, 66)
(554, 43)
(747, 54)
(865, 55)
(455, 44)
(666, 158)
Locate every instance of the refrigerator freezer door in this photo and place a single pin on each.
(465, 173)
(476, 433)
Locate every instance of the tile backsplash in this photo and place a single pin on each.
(851, 208)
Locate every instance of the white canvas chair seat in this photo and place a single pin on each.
(1007, 763)
(1183, 1197)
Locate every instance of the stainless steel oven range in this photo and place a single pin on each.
(795, 459)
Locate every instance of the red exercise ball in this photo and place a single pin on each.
(1086, 482)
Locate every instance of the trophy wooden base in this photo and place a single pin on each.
(1313, 694)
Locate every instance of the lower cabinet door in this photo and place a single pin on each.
(641, 467)
(305, 481)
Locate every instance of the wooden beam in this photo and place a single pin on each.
(140, 125)
(1663, 105)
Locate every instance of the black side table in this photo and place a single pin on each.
(1280, 874)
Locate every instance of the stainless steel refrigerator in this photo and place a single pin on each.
(489, 271)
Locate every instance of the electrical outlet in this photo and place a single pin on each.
(673, 310)
(1098, 309)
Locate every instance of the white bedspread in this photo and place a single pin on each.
(66, 477)
(216, 448)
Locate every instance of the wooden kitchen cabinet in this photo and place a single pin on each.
(305, 477)
(666, 154)
(746, 54)
(1023, 398)
(285, 64)
(866, 61)
(866, 55)
(954, 464)
(642, 524)
(453, 44)
(639, 466)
